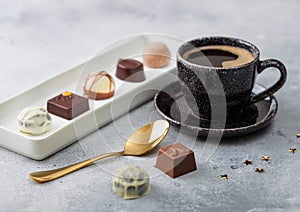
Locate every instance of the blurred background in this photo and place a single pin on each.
(46, 38)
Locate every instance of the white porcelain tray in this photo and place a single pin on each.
(65, 132)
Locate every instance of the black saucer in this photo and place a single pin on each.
(170, 103)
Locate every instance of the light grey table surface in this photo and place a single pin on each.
(39, 40)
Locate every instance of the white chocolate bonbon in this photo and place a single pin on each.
(131, 182)
(34, 120)
(99, 85)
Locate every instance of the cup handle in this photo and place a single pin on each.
(262, 65)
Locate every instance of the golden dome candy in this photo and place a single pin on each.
(99, 85)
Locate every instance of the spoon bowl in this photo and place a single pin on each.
(140, 142)
(146, 138)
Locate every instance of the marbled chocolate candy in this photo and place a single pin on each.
(130, 182)
(34, 120)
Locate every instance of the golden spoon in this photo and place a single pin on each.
(140, 142)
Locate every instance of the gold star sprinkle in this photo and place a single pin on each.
(292, 150)
(248, 162)
(224, 177)
(259, 170)
(265, 158)
(298, 135)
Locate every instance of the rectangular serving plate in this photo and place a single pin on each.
(64, 132)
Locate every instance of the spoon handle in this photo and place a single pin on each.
(45, 176)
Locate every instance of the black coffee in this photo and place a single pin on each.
(218, 56)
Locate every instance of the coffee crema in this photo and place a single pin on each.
(221, 56)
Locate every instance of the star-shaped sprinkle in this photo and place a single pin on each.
(224, 177)
(265, 158)
(298, 135)
(259, 170)
(292, 150)
(248, 162)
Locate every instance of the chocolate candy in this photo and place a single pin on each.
(34, 120)
(99, 85)
(67, 105)
(130, 182)
(156, 55)
(130, 70)
(176, 160)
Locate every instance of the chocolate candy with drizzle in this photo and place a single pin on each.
(99, 85)
(176, 160)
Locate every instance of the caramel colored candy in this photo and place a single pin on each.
(176, 160)
(156, 55)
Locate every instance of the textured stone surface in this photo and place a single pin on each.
(40, 40)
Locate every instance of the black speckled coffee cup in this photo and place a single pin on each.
(198, 81)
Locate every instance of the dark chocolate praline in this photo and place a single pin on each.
(130, 70)
(67, 105)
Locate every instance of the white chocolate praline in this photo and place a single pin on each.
(99, 85)
(156, 55)
(34, 120)
(131, 182)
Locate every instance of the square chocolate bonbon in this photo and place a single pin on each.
(176, 160)
(67, 105)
